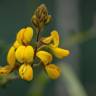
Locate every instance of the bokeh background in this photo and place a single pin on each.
(76, 22)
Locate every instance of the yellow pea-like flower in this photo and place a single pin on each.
(20, 53)
(11, 56)
(55, 37)
(28, 34)
(5, 70)
(53, 71)
(25, 35)
(26, 72)
(28, 54)
(47, 40)
(16, 44)
(44, 56)
(24, 54)
(20, 35)
(59, 52)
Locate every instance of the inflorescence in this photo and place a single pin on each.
(22, 56)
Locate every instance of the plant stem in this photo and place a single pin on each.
(37, 40)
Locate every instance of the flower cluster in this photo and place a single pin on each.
(22, 55)
(23, 52)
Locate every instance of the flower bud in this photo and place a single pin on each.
(35, 21)
(25, 35)
(26, 72)
(49, 17)
(41, 17)
(44, 56)
(24, 54)
(28, 34)
(53, 71)
(41, 13)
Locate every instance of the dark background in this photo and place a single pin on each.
(15, 14)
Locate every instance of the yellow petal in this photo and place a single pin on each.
(47, 40)
(53, 71)
(55, 37)
(11, 56)
(20, 53)
(20, 35)
(28, 54)
(26, 72)
(59, 52)
(44, 56)
(5, 70)
(28, 34)
(16, 44)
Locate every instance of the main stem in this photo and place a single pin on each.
(37, 40)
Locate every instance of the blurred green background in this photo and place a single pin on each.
(76, 22)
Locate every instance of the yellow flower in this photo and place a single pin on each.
(53, 39)
(53, 71)
(44, 56)
(28, 34)
(53, 43)
(25, 35)
(11, 56)
(59, 52)
(26, 72)
(24, 54)
(5, 70)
